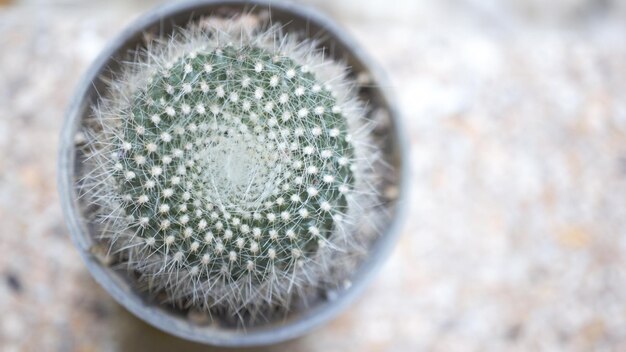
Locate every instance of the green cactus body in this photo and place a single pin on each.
(234, 160)
(232, 176)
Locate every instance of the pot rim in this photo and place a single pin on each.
(177, 325)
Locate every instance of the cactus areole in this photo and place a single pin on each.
(232, 170)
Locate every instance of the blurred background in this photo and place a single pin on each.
(516, 239)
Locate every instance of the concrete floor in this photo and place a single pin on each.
(516, 113)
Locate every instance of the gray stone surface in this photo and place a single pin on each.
(516, 113)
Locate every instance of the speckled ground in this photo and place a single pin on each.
(516, 113)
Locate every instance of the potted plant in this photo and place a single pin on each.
(231, 171)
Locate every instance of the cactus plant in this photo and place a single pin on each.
(231, 169)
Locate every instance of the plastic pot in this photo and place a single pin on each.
(162, 21)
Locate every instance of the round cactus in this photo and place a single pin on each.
(231, 166)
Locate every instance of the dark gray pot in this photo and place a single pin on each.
(118, 284)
